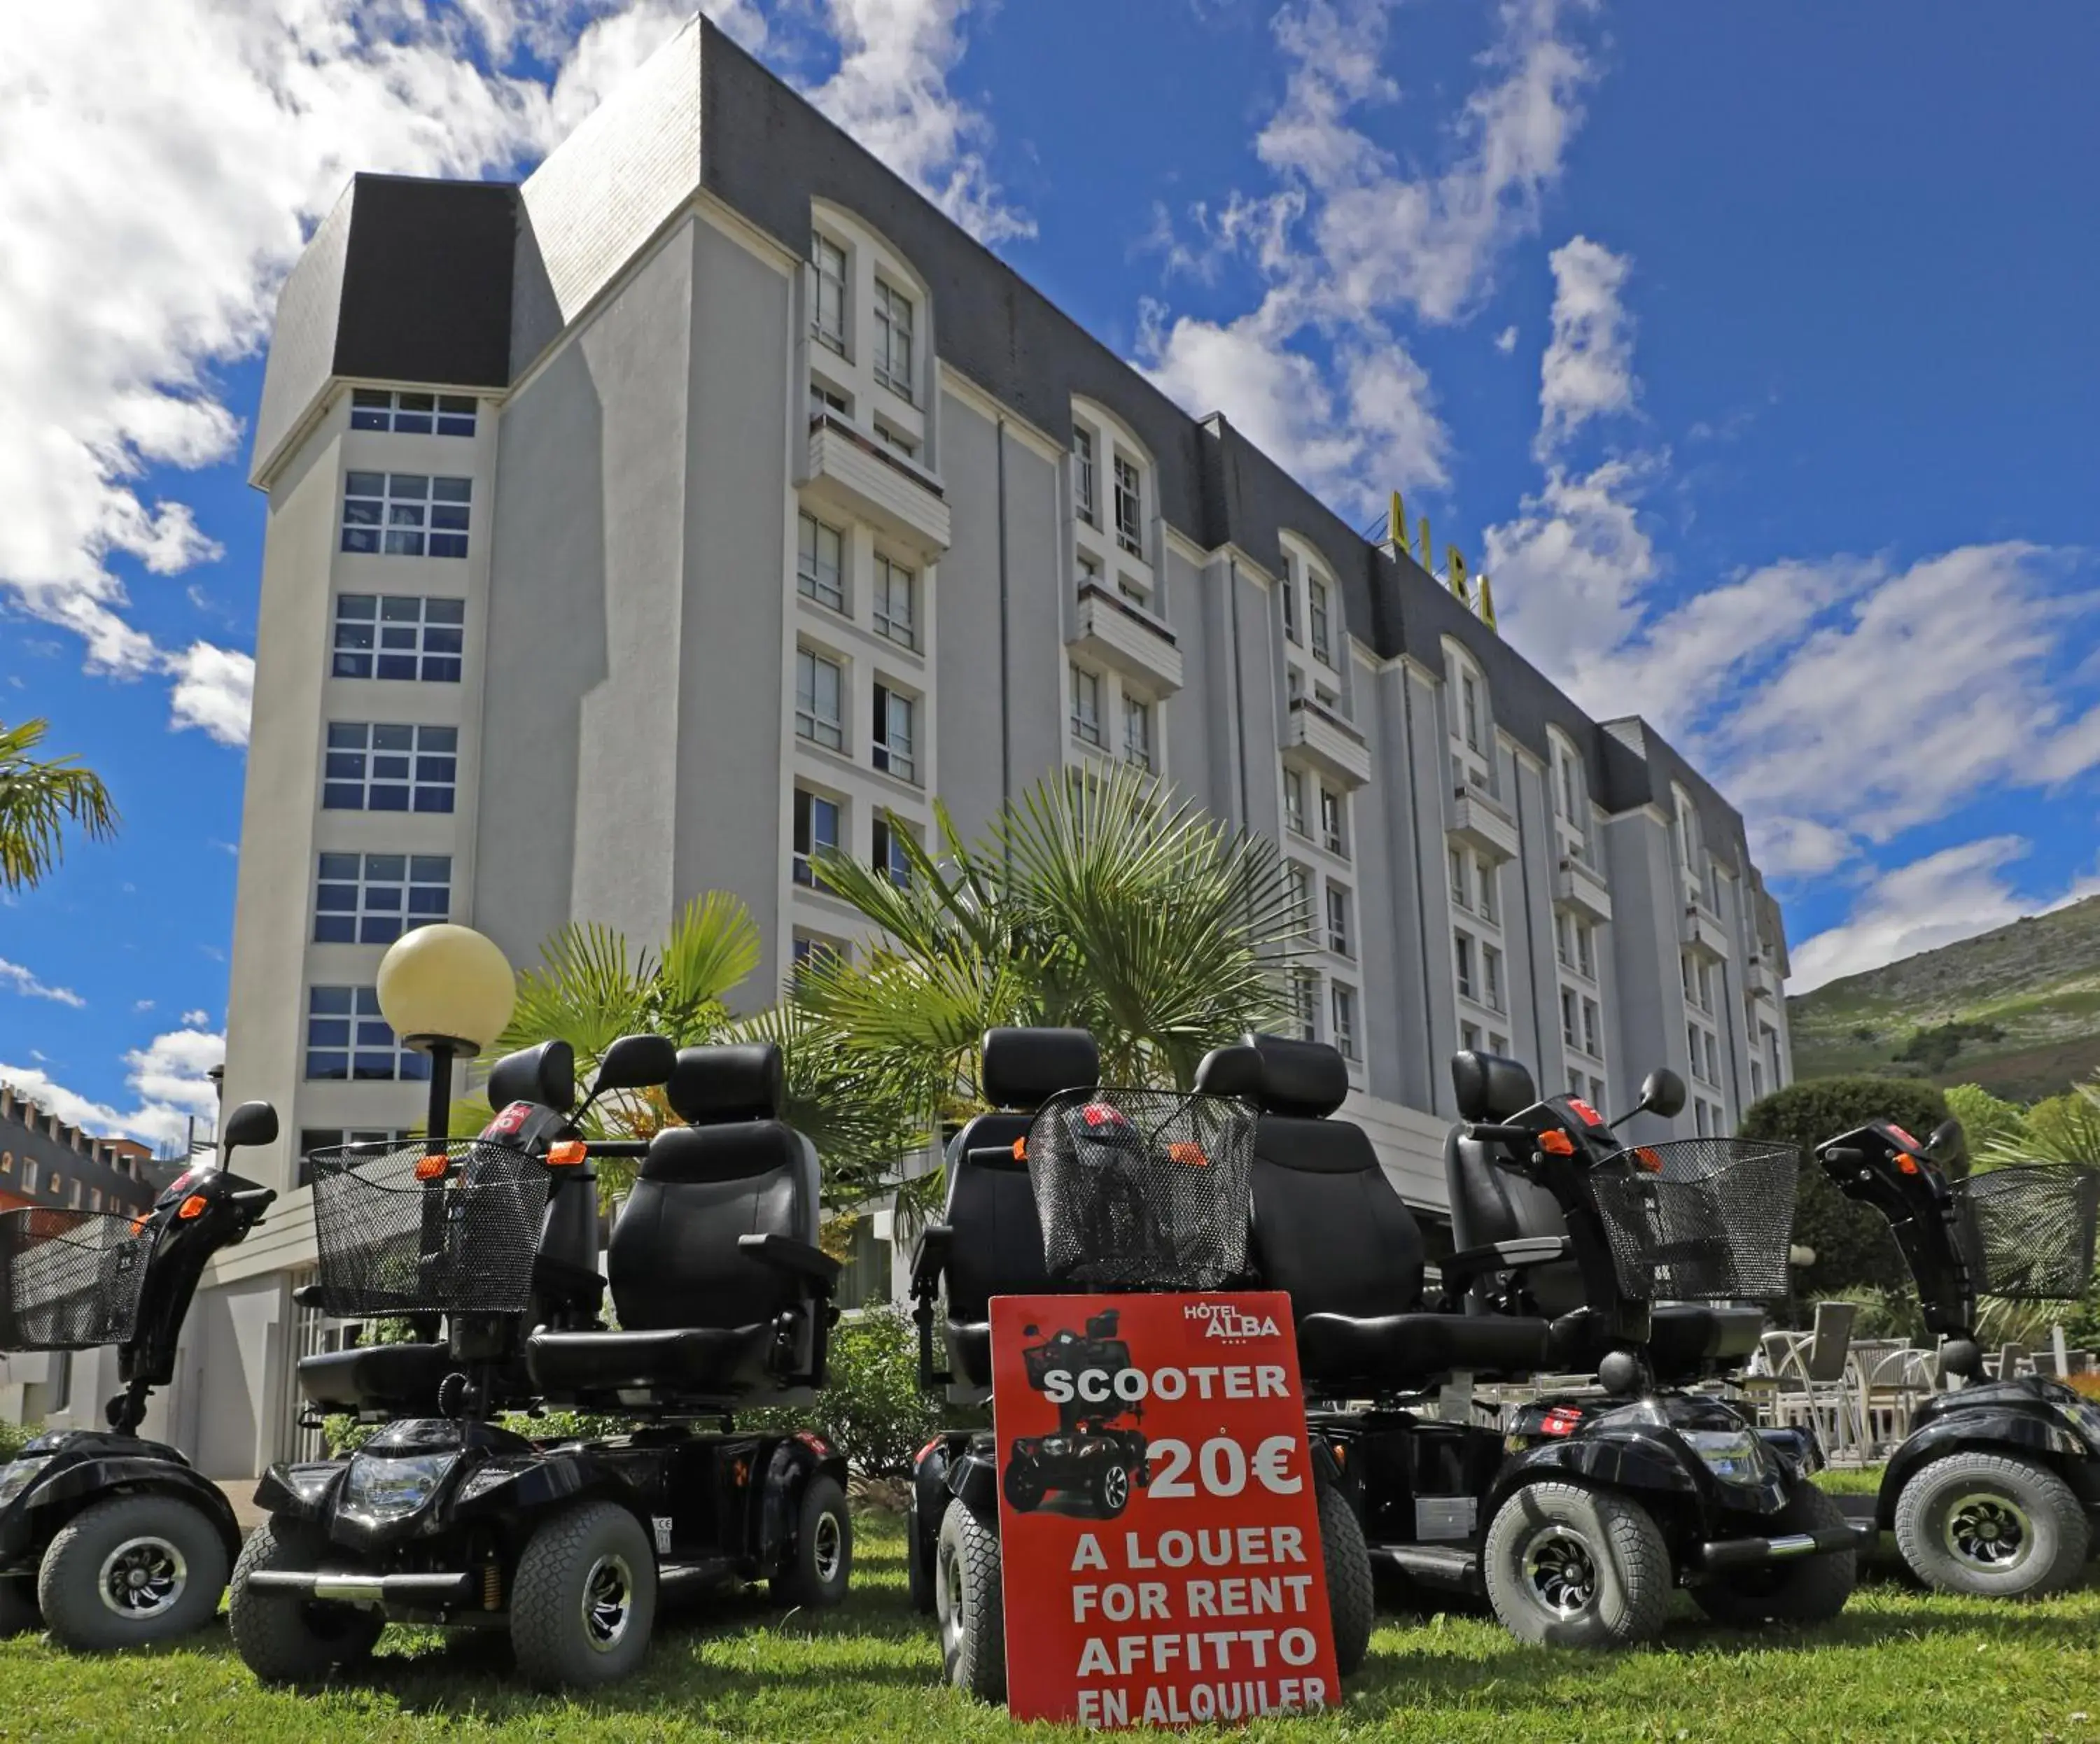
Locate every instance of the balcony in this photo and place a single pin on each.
(1482, 823)
(1110, 630)
(1581, 887)
(863, 480)
(1318, 736)
(1761, 980)
(1703, 931)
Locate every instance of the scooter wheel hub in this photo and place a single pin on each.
(142, 1578)
(608, 1602)
(1986, 1530)
(1561, 1570)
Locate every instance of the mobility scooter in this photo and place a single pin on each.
(113, 1539)
(1094, 1459)
(723, 1297)
(1579, 1517)
(1188, 1224)
(1996, 1490)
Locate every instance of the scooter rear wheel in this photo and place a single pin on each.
(1992, 1525)
(131, 1571)
(820, 1565)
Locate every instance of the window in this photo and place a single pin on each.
(1757, 1080)
(1082, 476)
(1294, 683)
(895, 441)
(1134, 595)
(820, 563)
(1294, 801)
(1463, 948)
(398, 635)
(1575, 1084)
(896, 739)
(889, 856)
(1298, 881)
(1586, 949)
(1137, 730)
(412, 414)
(1337, 921)
(1090, 571)
(1129, 507)
(372, 899)
(893, 339)
(348, 1038)
(1334, 822)
(1491, 978)
(819, 685)
(1305, 1003)
(372, 768)
(1344, 1008)
(827, 310)
(1593, 1042)
(1315, 617)
(1570, 1033)
(1498, 1044)
(1086, 705)
(816, 832)
(1596, 1092)
(1469, 710)
(1713, 1058)
(1469, 1036)
(807, 948)
(1489, 877)
(1459, 894)
(406, 514)
(823, 399)
(1568, 801)
(1699, 1114)
(1564, 938)
(1289, 592)
(313, 1138)
(896, 602)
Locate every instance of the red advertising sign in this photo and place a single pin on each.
(1159, 1539)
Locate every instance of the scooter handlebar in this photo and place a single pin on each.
(1486, 1132)
(254, 1198)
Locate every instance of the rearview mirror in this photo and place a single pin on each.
(636, 1063)
(1662, 1092)
(253, 1123)
(1948, 1146)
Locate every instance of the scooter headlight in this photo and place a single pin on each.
(1733, 1455)
(379, 1488)
(16, 1478)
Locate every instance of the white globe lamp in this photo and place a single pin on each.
(446, 991)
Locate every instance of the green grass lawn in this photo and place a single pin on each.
(1898, 1665)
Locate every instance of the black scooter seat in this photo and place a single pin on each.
(713, 1360)
(1396, 1349)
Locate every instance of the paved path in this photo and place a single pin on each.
(240, 1492)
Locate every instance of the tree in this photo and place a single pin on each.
(38, 797)
(592, 986)
(1853, 1247)
(1992, 1125)
(1099, 900)
(2062, 1129)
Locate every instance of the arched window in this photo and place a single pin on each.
(1114, 505)
(1471, 722)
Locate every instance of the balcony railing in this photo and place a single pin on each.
(1318, 735)
(871, 481)
(1110, 629)
(1580, 886)
(1482, 823)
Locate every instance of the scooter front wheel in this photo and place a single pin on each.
(1797, 1589)
(285, 1639)
(969, 1604)
(1992, 1525)
(1572, 1567)
(131, 1571)
(583, 1602)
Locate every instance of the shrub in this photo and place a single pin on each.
(1987, 1121)
(871, 1406)
(1852, 1244)
(14, 1437)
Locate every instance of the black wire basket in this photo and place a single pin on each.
(2027, 1230)
(70, 1280)
(425, 1229)
(1143, 1189)
(1700, 1219)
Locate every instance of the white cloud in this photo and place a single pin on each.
(1587, 370)
(168, 1076)
(196, 1020)
(1348, 241)
(142, 1005)
(1506, 341)
(890, 92)
(214, 690)
(1952, 895)
(23, 982)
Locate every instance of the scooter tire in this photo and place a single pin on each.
(1806, 1589)
(582, 1603)
(820, 1563)
(281, 1637)
(970, 1606)
(81, 1588)
(2058, 1533)
(1346, 1559)
(1608, 1537)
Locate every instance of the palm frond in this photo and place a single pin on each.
(39, 797)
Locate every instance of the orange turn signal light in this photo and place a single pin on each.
(1648, 1159)
(567, 1153)
(1908, 1164)
(429, 1168)
(1194, 1155)
(193, 1206)
(1556, 1144)
(1021, 1150)
(139, 1222)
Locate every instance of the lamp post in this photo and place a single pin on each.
(447, 992)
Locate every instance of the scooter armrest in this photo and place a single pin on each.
(784, 1253)
(1462, 1268)
(930, 1256)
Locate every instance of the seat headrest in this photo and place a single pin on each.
(1490, 1087)
(745, 1081)
(1305, 1080)
(1233, 1070)
(1024, 1069)
(545, 1073)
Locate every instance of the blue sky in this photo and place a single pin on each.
(1751, 350)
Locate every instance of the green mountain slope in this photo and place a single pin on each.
(2017, 1011)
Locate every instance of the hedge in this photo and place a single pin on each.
(1854, 1249)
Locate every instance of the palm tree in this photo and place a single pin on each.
(1101, 900)
(592, 986)
(37, 797)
